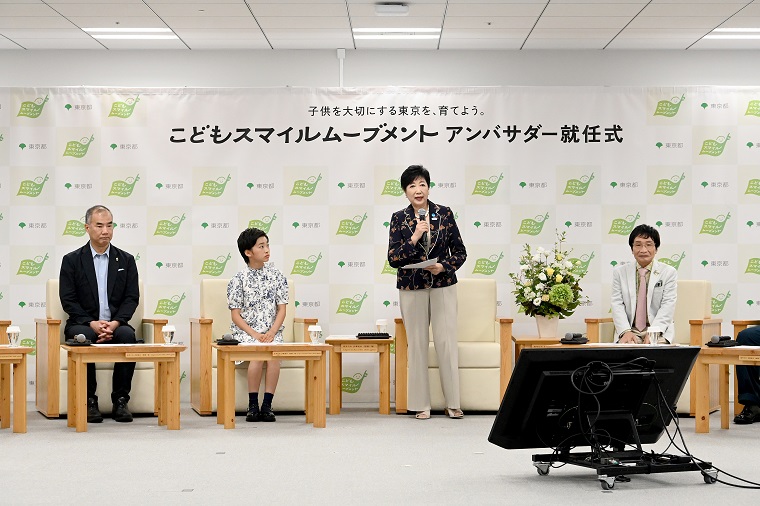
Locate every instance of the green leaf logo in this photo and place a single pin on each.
(523, 184)
(669, 187)
(67, 107)
(714, 226)
(341, 264)
(31, 267)
(32, 109)
(22, 225)
(580, 265)
(123, 188)
(67, 186)
(78, 149)
(214, 267)
(159, 185)
(30, 188)
(113, 146)
(533, 226)
(295, 224)
(124, 109)
(341, 185)
(659, 145)
(169, 307)
(714, 147)
(387, 269)
(704, 263)
(704, 105)
(351, 227)
(623, 226)
(477, 224)
(392, 187)
(753, 266)
(305, 188)
(675, 260)
(578, 187)
(487, 266)
(264, 223)
(250, 185)
(22, 146)
(306, 266)
(487, 187)
(21, 304)
(169, 228)
(30, 343)
(352, 385)
(753, 187)
(669, 108)
(74, 228)
(351, 306)
(159, 264)
(719, 302)
(753, 108)
(215, 188)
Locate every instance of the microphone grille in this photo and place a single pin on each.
(79, 338)
(422, 213)
(715, 339)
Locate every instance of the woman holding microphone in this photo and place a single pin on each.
(420, 232)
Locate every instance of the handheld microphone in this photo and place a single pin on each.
(717, 339)
(573, 335)
(421, 213)
(79, 338)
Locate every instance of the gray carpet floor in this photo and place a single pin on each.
(360, 458)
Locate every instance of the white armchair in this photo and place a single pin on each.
(485, 353)
(694, 325)
(52, 364)
(212, 324)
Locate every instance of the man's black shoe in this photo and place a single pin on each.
(93, 413)
(266, 414)
(253, 413)
(120, 411)
(750, 414)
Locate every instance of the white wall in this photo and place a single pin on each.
(377, 68)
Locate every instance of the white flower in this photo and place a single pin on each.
(540, 249)
(542, 276)
(537, 301)
(524, 267)
(536, 259)
(540, 286)
(568, 264)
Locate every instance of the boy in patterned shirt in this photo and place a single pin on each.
(257, 297)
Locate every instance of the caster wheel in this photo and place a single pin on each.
(709, 479)
(542, 472)
(607, 485)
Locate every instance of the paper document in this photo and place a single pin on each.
(421, 265)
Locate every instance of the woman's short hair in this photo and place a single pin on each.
(413, 172)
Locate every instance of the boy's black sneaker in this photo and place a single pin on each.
(253, 414)
(266, 414)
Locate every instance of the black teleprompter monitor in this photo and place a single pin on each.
(542, 409)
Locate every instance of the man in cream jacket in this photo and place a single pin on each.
(631, 313)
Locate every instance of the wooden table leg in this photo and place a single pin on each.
(221, 367)
(723, 395)
(80, 394)
(71, 408)
(385, 379)
(19, 396)
(320, 377)
(309, 389)
(336, 372)
(171, 393)
(701, 374)
(228, 391)
(402, 377)
(5, 396)
(160, 392)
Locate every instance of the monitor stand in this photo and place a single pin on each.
(614, 465)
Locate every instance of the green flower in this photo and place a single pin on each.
(561, 295)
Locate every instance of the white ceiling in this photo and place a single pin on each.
(327, 24)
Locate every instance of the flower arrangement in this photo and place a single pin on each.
(546, 284)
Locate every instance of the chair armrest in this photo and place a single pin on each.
(48, 366)
(151, 329)
(200, 364)
(505, 347)
(301, 328)
(4, 324)
(593, 326)
(740, 325)
(701, 330)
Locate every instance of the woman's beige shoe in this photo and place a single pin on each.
(454, 413)
(422, 415)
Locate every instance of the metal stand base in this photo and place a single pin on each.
(615, 465)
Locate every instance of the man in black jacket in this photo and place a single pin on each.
(99, 290)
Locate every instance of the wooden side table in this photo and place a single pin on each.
(13, 366)
(313, 354)
(166, 357)
(532, 342)
(350, 344)
(736, 355)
